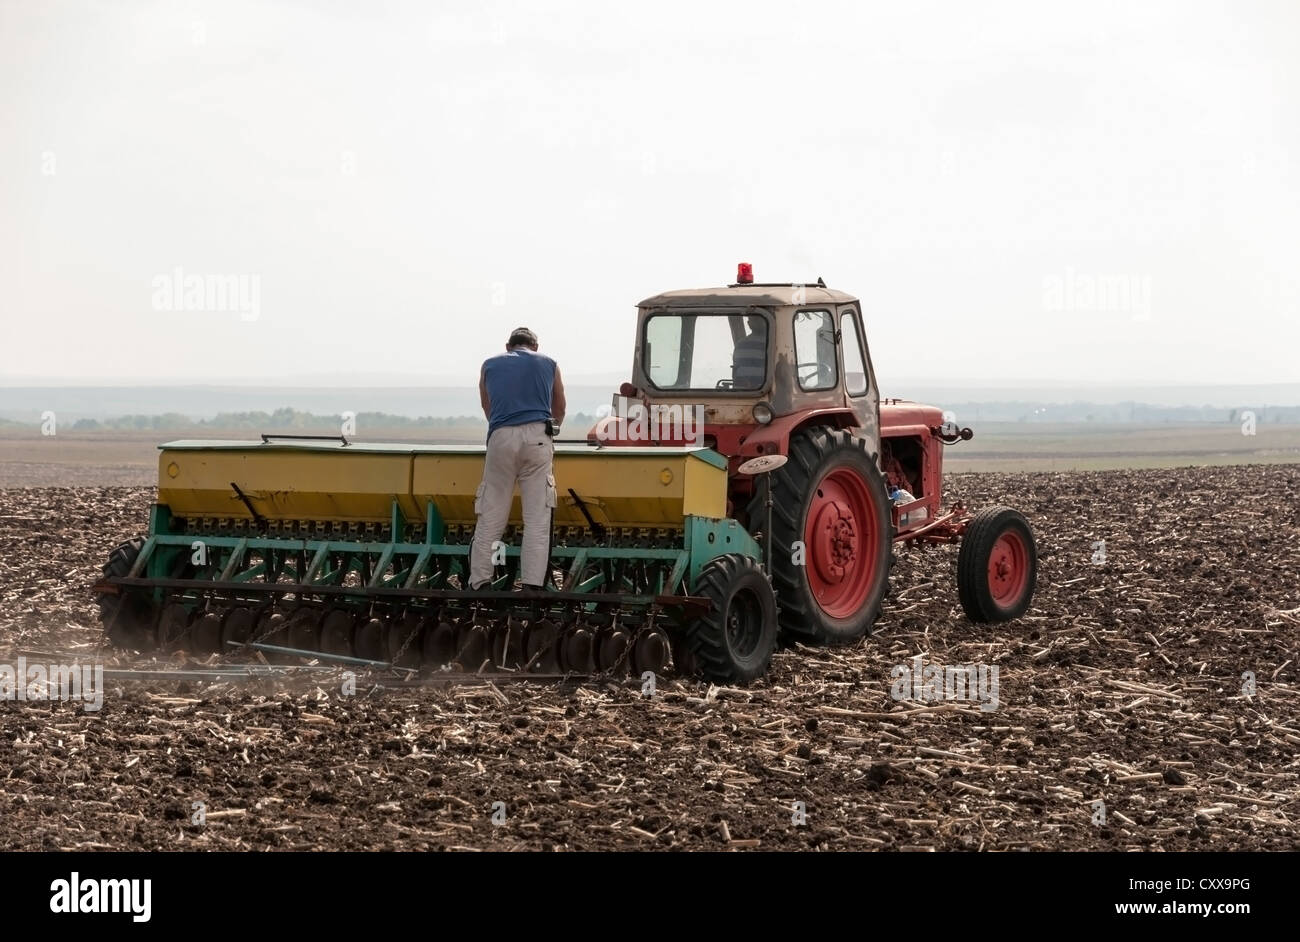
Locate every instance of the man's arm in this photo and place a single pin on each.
(558, 402)
(483, 393)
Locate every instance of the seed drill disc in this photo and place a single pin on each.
(273, 628)
(650, 653)
(475, 646)
(336, 633)
(172, 627)
(205, 635)
(576, 652)
(508, 645)
(613, 651)
(271, 625)
(541, 652)
(237, 626)
(404, 633)
(369, 640)
(304, 630)
(439, 645)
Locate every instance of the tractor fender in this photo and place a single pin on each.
(774, 438)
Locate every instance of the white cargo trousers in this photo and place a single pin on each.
(523, 454)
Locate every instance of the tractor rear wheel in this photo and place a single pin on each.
(832, 529)
(128, 618)
(997, 565)
(734, 642)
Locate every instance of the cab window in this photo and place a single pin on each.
(706, 351)
(814, 350)
(855, 366)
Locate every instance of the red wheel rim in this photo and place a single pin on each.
(1008, 569)
(840, 537)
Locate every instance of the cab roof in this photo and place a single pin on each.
(748, 296)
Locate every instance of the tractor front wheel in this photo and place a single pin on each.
(734, 642)
(997, 565)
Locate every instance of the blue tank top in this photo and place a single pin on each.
(519, 385)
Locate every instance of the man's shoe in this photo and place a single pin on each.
(525, 587)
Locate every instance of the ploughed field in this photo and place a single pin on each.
(1123, 685)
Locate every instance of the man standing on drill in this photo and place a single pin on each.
(523, 400)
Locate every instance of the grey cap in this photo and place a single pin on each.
(522, 336)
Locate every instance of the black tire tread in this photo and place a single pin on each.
(705, 636)
(972, 563)
(808, 448)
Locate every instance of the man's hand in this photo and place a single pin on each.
(483, 394)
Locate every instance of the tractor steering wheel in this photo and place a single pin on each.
(813, 368)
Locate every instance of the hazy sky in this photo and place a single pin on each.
(1018, 191)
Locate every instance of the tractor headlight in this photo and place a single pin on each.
(762, 413)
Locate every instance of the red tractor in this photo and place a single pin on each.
(782, 371)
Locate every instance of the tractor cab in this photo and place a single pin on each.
(740, 368)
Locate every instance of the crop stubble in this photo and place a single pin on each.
(1123, 684)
